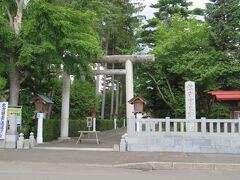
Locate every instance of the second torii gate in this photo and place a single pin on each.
(128, 71)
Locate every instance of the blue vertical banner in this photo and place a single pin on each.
(3, 119)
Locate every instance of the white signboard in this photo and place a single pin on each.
(17, 111)
(89, 122)
(3, 119)
(190, 104)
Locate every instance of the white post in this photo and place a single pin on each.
(168, 126)
(40, 128)
(190, 105)
(129, 95)
(138, 117)
(94, 124)
(65, 106)
(115, 123)
(203, 125)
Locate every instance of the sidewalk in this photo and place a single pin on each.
(67, 152)
(126, 160)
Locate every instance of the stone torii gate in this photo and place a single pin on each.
(128, 71)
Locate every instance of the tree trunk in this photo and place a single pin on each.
(112, 96)
(117, 99)
(14, 87)
(65, 105)
(14, 76)
(17, 22)
(121, 95)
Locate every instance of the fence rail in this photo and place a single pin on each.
(203, 125)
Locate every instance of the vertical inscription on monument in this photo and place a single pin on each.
(190, 104)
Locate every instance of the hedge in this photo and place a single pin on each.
(51, 127)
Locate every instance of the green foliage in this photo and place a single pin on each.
(169, 8)
(3, 83)
(76, 125)
(83, 99)
(103, 125)
(29, 123)
(223, 19)
(219, 110)
(119, 25)
(51, 129)
(182, 53)
(165, 11)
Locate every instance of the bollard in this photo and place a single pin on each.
(123, 145)
(20, 141)
(32, 140)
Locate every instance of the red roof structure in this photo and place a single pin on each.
(226, 95)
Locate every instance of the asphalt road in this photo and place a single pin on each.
(62, 171)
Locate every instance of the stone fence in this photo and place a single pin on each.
(174, 135)
(179, 126)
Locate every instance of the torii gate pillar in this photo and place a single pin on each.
(129, 92)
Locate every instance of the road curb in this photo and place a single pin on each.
(179, 166)
(75, 149)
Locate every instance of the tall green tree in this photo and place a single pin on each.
(118, 32)
(169, 8)
(166, 10)
(48, 34)
(224, 26)
(11, 14)
(183, 53)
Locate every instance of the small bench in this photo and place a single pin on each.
(88, 132)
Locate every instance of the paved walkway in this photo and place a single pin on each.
(107, 140)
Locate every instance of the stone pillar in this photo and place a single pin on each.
(65, 106)
(12, 135)
(40, 128)
(190, 105)
(94, 124)
(129, 95)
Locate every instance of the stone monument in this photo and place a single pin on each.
(190, 105)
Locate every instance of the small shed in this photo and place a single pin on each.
(43, 104)
(232, 98)
(138, 103)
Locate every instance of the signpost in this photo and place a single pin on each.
(3, 119)
(89, 122)
(17, 111)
